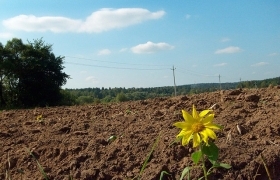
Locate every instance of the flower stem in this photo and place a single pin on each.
(203, 164)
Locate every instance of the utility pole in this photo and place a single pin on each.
(240, 83)
(220, 81)
(174, 79)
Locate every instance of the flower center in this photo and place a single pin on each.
(197, 127)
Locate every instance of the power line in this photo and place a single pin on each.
(185, 71)
(114, 67)
(88, 59)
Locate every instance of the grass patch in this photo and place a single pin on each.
(148, 157)
(41, 169)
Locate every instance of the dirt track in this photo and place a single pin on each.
(73, 140)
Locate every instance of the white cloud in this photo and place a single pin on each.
(104, 52)
(102, 20)
(92, 79)
(273, 54)
(31, 23)
(219, 65)
(228, 50)
(225, 39)
(259, 64)
(188, 16)
(151, 47)
(106, 19)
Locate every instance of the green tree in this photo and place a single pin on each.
(12, 53)
(85, 100)
(121, 97)
(107, 99)
(2, 74)
(263, 84)
(67, 99)
(35, 74)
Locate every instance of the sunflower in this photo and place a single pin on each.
(197, 127)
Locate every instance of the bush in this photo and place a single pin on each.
(85, 100)
(121, 97)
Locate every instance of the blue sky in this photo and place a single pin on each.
(129, 43)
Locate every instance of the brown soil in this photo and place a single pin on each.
(73, 141)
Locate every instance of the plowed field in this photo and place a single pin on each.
(73, 142)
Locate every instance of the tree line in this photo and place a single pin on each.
(105, 95)
(30, 74)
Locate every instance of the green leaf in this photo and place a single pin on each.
(184, 172)
(162, 173)
(221, 127)
(212, 151)
(178, 139)
(111, 138)
(224, 165)
(149, 156)
(196, 156)
(39, 165)
(217, 164)
(201, 178)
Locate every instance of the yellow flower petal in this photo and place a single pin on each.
(187, 117)
(184, 133)
(204, 113)
(182, 125)
(212, 126)
(204, 136)
(208, 119)
(195, 114)
(186, 139)
(210, 133)
(196, 140)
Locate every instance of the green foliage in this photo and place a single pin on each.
(96, 101)
(30, 74)
(148, 157)
(132, 94)
(196, 156)
(38, 164)
(85, 100)
(121, 97)
(67, 98)
(218, 164)
(212, 151)
(185, 172)
(162, 174)
(108, 99)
